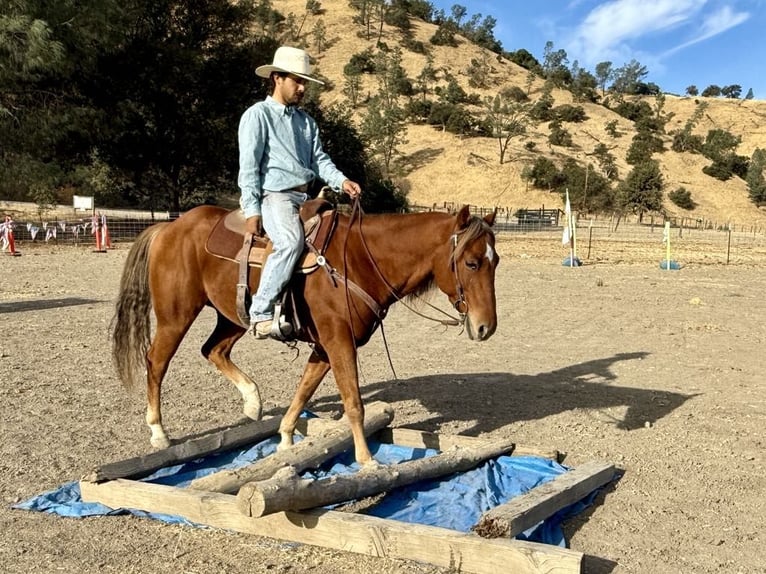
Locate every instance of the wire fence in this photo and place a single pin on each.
(607, 239)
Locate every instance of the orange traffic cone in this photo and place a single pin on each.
(105, 239)
(96, 222)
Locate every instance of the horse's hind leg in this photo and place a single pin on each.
(165, 344)
(315, 371)
(217, 350)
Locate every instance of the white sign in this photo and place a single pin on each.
(82, 202)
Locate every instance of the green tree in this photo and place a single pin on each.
(732, 92)
(642, 147)
(555, 66)
(426, 77)
(506, 120)
(756, 182)
(629, 77)
(604, 75)
(320, 36)
(352, 85)
(606, 161)
(712, 91)
(684, 139)
(384, 129)
(641, 191)
(692, 90)
(749, 95)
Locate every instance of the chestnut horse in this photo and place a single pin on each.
(388, 256)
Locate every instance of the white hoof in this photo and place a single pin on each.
(159, 439)
(253, 410)
(285, 443)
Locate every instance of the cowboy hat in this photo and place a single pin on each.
(290, 60)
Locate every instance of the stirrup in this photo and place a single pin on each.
(281, 329)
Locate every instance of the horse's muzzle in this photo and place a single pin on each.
(481, 330)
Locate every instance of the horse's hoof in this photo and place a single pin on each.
(160, 442)
(253, 411)
(371, 464)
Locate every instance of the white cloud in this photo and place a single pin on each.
(714, 24)
(607, 29)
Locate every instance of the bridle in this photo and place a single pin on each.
(460, 304)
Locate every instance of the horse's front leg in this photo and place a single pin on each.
(344, 367)
(316, 369)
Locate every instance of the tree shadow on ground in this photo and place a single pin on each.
(419, 159)
(493, 400)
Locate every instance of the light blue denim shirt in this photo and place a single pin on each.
(279, 149)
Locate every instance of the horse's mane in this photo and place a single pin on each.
(475, 229)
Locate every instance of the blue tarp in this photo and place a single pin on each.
(455, 502)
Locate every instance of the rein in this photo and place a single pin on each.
(460, 303)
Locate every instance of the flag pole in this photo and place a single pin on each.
(667, 245)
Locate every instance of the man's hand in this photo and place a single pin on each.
(254, 225)
(352, 188)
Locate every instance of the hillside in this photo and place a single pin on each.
(440, 167)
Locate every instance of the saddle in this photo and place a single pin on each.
(228, 240)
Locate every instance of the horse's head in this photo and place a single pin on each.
(469, 278)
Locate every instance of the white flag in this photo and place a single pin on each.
(567, 237)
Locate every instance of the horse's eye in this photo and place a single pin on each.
(472, 265)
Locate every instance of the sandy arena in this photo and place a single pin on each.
(659, 372)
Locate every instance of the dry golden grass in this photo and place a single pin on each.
(439, 167)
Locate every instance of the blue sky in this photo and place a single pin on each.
(681, 42)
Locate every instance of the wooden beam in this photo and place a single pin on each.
(206, 445)
(522, 512)
(423, 439)
(464, 552)
(286, 491)
(309, 453)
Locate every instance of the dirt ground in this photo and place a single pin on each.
(660, 372)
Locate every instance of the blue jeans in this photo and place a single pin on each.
(281, 220)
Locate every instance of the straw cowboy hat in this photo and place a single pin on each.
(291, 60)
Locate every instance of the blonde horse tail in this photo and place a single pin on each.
(131, 324)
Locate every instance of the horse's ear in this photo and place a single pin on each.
(490, 218)
(463, 217)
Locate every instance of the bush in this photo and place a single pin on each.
(559, 136)
(361, 63)
(570, 113)
(682, 197)
(515, 93)
(419, 110)
(719, 170)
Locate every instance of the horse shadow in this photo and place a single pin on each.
(493, 400)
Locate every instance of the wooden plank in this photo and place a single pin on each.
(464, 552)
(422, 439)
(234, 436)
(286, 491)
(311, 452)
(526, 510)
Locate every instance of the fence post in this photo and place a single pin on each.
(728, 247)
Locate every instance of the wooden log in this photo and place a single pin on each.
(414, 438)
(369, 535)
(285, 491)
(522, 512)
(309, 453)
(206, 445)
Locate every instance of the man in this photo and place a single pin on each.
(280, 155)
